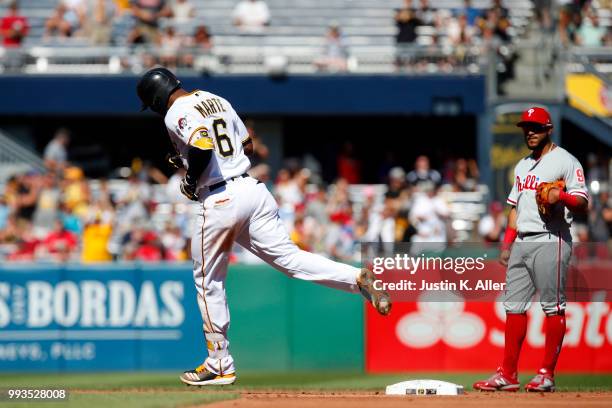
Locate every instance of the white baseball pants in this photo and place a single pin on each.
(244, 211)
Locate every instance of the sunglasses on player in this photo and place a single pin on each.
(534, 127)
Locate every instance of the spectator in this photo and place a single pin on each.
(382, 221)
(471, 13)
(590, 33)
(27, 193)
(335, 54)
(407, 22)
(173, 243)
(148, 248)
(48, 203)
(122, 6)
(201, 45)
(65, 20)
(260, 150)
(397, 180)
(59, 245)
(96, 237)
(566, 29)
(251, 16)
(76, 194)
(349, 166)
(427, 15)
(500, 10)
(422, 173)
(99, 22)
(490, 226)
(170, 45)
(13, 26)
(340, 238)
(56, 154)
(465, 177)
(459, 31)
(608, 38)
(25, 242)
(428, 214)
(183, 11)
(147, 14)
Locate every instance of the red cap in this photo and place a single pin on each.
(535, 115)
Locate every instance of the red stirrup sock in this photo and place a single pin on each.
(555, 331)
(516, 329)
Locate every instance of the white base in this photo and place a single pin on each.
(424, 387)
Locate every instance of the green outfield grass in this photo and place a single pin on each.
(164, 389)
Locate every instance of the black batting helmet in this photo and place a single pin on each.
(155, 87)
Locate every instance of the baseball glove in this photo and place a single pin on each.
(544, 206)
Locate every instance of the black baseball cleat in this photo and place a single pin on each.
(201, 376)
(380, 299)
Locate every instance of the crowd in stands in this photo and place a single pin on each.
(449, 37)
(579, 25)
(427, 38)
(60, 215)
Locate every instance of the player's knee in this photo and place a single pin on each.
(516, 307)
(553, 308)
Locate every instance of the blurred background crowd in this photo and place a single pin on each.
(434, 35)
(138, 214)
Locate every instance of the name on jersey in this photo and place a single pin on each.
(530, 183)
(210, 106)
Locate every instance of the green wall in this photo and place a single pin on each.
(281, 324)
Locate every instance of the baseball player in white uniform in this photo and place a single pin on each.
(549, 185)
(213, 145)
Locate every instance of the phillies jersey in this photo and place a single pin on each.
(557, 164)
(206, 121)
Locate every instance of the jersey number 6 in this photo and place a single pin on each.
(224, 143)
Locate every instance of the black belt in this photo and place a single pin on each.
(215, 186)
(522, 235)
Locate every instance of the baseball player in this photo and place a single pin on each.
(549, 185)
(213, 145)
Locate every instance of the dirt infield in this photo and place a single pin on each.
(264, 399)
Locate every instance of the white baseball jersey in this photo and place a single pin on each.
(244, 212)
(206, 121)
(557, 164)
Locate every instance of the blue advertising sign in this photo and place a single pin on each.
(106, 317)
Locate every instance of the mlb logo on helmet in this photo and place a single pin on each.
(535, 115)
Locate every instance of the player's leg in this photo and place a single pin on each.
(265, 235)
(551, 264)
(210, 246)
(517, 299)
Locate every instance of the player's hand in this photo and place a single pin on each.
(504, 256)
(553, 195)
(174, 161)
(188, 189)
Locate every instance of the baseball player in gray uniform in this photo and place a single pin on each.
(213, 145)
(549, 185)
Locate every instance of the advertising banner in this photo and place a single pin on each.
(97, 318)
(469, 336)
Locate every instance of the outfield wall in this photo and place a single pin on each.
(254, 94)
(145, 317)
(132, 317)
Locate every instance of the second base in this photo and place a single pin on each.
(424, 387)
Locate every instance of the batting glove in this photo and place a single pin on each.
(174, 161)
(188, 189)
